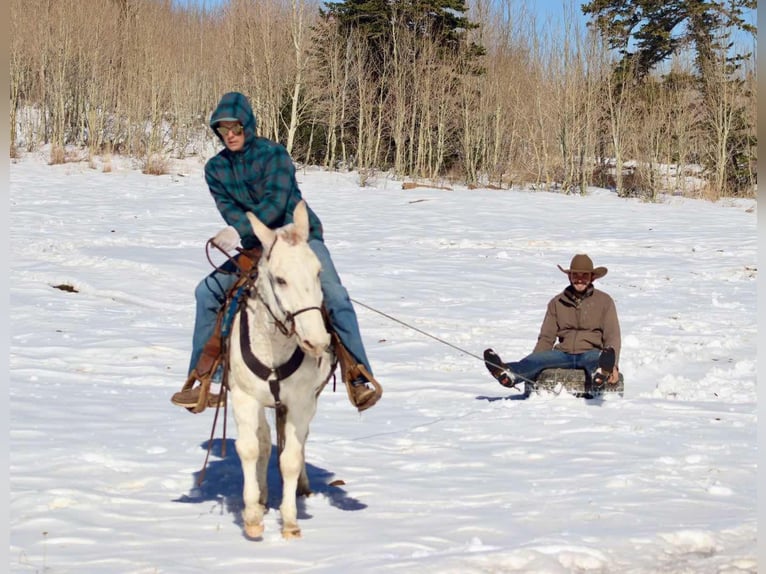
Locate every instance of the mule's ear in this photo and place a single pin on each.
(261, 231)
(301, 220)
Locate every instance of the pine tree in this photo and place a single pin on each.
(444, 19)
(647, 32)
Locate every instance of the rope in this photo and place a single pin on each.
(392, 318)
(442, 341)
(419, 330)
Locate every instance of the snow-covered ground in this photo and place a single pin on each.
(448, 472)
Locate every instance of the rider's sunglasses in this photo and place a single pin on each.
(236, 129)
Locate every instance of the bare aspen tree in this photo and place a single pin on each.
(155, 88)
(189, 89)
(591, 95)
(750, 91)
(20, 81)
(429, 98)
(566, 84)
(328, 79)
(541, 93)
(298, 34)
(472, 129)
(256, 47)
(346, 100)
(444, 114)
(575, 77)
(98, 78)
(508, 84)
(683, 102)
(723, 106)
(538, 121)
(402, 94)
(620, 97)
(652, 136)
(59, 58)
(368, 107)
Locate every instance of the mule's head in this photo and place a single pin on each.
(288, 280)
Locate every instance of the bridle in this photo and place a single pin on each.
(288, 316)
(273, 374)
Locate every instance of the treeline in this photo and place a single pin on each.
(489, 97)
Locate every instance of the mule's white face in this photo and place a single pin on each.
(289, 270)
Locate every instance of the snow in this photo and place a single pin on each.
(448, 472)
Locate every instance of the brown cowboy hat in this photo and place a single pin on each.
(581, 263)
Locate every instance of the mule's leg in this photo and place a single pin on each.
(304, 488)
(264, 455)
(250, 418)
(292, 466)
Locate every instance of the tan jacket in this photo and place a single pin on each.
(580, 323)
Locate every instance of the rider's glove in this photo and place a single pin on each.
(227, 239)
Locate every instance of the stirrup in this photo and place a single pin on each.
(362, 400)
(205, 398)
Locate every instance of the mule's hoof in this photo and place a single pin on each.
(291, 533)
(254, 530)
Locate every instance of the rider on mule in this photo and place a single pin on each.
(255, 174)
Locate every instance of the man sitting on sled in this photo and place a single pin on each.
(580, 331)
(255, 174)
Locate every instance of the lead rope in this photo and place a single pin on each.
(442, 341)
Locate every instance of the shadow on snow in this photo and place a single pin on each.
(223, 483)
(590, 400)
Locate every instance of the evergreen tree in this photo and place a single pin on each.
(647, 32)
(444, 19)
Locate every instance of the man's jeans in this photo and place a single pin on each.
(210, 295)
(532, 365)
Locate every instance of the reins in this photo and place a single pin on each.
(225, 367)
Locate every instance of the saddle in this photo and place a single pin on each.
(197, 399)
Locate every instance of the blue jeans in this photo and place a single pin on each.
(210, 295)
(532, 365)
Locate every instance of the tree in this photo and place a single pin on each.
(647, 32)
(444, 19)
(399, 52)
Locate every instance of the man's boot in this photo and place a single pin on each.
(363, 390)
(191, 398)
(209, 367)
(606, 364)
(197, 399)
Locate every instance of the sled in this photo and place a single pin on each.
(573, 382)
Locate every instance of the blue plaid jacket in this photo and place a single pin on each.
(260, 178)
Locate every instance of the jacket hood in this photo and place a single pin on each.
(235, 107)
